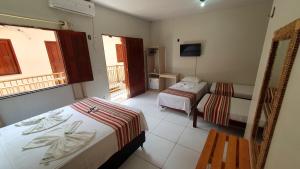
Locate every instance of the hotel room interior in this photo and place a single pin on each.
(137, 84)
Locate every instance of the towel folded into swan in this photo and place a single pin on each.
(42, 123)
(63, 141)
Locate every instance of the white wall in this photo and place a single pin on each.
(22, 107)
(106, 22)
(30, 50)
(284, 150)
(232, 42)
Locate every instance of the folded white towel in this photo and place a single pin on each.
(63, 141)
(73, 127)
(187, 85)
(30, 121)
(44, 122)
(35, 120)
(65, 146)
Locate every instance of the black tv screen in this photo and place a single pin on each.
(190, 49)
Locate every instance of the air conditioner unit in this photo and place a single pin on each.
(81, 7)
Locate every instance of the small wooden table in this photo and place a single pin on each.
(164, 76)
(170, 76)
(236, 157)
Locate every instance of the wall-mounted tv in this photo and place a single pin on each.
(190, 50)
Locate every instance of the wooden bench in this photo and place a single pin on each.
(214, 155)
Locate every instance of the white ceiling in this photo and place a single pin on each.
(163, 9)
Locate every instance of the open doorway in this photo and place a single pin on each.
(114, 57)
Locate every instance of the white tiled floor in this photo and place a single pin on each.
(171, 141)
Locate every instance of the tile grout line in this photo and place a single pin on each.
(176, 143)
(147, 161)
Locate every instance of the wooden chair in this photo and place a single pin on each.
(236, 157)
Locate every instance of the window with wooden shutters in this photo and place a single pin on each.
(8, 61)
(76, 56)
(68, 62)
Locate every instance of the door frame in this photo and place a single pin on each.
(125, 65)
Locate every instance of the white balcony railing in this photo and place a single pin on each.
(14, 86)
(116, 77)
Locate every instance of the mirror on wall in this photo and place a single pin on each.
(270, 92)
(284, 49)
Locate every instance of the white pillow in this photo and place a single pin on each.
(191, 79)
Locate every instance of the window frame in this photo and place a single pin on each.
(90, 78)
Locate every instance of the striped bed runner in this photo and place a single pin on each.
(125, 122)
(189, 95)
(225, 89)
(217, 109)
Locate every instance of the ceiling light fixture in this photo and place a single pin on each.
(202, 4)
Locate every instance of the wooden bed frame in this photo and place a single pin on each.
(121, 156)
(232, 123)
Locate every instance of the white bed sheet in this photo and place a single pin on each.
(93, 155)
(179, 102)
(240, 91)
(239, 109)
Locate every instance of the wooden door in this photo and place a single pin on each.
(120, 52)
(8, 60)
(76, 56)
(55, 57)
(134, 65)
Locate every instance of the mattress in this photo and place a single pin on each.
(239, 109)
(240, 91)
(93, 155)
(179, 102)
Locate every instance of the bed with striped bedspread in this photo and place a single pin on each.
(217, 109)
(225, 89)
(125, 122)
(191, 96)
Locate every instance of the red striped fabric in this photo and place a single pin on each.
(217, 109)
(125, 122)
(225, 89)
(189, 95)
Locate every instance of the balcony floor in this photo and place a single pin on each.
(118, 96)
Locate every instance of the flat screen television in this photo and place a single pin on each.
(190, 50)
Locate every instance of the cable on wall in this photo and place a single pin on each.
(196, 67)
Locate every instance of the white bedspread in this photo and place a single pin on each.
(179, 102)
(239, 109)
(98, 151)
(240, 91)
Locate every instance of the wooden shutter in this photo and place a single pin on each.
(120, 52)
(8, 61)
(76, 56)
(134, 65)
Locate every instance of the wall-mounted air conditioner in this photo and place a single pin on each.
(81, 7)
